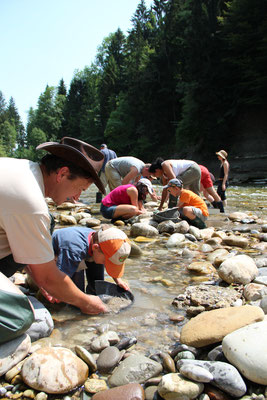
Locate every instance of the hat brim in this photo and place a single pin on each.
(221, 155)
(114, 270)
(76, 157)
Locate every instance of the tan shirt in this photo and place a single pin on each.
(24, 216)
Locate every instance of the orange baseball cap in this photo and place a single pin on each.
(116, 247)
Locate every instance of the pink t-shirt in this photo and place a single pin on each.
(117, 196)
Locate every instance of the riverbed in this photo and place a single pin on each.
(155, 278)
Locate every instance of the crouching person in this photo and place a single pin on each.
(79, 248)
(192, 208)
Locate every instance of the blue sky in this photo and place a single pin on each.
(43, 41)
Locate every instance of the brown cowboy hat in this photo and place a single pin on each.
(80, 154)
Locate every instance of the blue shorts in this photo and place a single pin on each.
(107, 212)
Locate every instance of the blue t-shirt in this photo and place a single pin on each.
(71, 246)
(108, 155)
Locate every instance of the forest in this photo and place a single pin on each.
(177, 81)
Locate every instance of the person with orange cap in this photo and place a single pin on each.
(224, 174)
(79, 248)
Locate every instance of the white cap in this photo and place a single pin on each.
(147, 183)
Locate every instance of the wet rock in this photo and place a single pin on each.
(225, 376)
(263, 304)
(238, 269)
(104, 340)
(215, 394)
(132, 391)
(92, 385)
(175, 240)
(175, 386)
(208, 297)
(187, 355)
(206, 233)
(135, 368)
(215, 354)
(143, 229)
(246, 349)
(90, 222)
(212, 326)
(182, 227)
(151, 393)
(12, 352)
(238, 216)
(54, 370)
(126, 343)
(261, 263)
(193, 230)
(108, 359)
(254, 291)
(136, 251)
(205, 248)
(168, 362)
(186, 253)
(86, 357)
(218, 253)
(202, 267)
(196, 373)
(166, 226)
(67, 220)
(190, 237)
(234, 240)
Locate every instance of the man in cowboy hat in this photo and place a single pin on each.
(25, 240)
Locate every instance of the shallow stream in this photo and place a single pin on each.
(155, 279)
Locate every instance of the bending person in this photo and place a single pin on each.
(80, 248)
(224, 173)
(206, 186)
(124, 170)
(126, 201)
(25, 239)
(186, 170)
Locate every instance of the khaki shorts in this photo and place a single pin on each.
(113, 177)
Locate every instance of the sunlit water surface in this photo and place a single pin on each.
(155, 279)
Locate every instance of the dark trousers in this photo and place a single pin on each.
(8, 266)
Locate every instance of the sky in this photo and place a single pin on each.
(43, 41)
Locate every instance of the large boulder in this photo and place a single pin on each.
(54, 370)
(246, 349)
(238, 269)
(212, 326)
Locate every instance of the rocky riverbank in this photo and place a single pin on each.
(220, 342)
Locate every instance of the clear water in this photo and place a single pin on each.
(155, 279)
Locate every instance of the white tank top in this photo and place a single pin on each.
(179, 166)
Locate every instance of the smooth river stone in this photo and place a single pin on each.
(246, 348)
(212, 326)
(54, 370)
(225, 376)
(196, 373)
(132, 391)
(135, 368)
(108, 359)
(176, 387)
(238, 269)
(175, 239)
(12, 352)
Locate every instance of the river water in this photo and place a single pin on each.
(155, 278)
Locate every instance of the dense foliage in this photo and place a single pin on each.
(177, 81)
